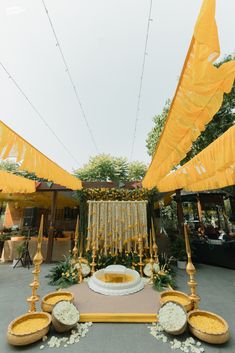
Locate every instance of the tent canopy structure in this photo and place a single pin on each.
(31, 160)
(212, 168)
(10, 183)
(198, 97)
(40, 199)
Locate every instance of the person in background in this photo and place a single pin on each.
(232, 227)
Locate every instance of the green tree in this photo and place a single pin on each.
(9, 166)
(13, 168)
(222, 120)
(154, 134)
(104, 167)
(136, 170)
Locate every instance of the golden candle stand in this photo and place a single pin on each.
(93, 263)
(154, 244)
(140, 250)
(76, 259)
(37, 260)
(191, 271)
(151, 261)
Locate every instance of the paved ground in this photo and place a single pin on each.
(216, 286)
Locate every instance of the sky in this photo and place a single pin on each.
(103, 43)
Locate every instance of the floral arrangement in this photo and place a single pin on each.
(129, 260)
(117, 194)
(165, 276)
(162, 280)
(64, 274)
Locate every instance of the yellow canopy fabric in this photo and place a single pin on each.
(212, 168)
(38, 199)
(31, 160)
(12, 183)
(198, 97)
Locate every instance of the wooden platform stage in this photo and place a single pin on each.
(94, 307)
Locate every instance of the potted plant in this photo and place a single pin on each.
(178, 250)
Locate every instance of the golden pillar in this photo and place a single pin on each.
(76, 259)
(154, 243)
(93, 263)
(151, 261)
(191, 271)
(75, 249)
(37, 260)
(140, 250)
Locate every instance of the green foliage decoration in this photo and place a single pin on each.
(117, 194)
(63, 274)
(165, 277)
(162, 280)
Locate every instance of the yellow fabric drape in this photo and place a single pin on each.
(38, 199)
(31, 160)
(198, 97)
(13, 183)
(212, 168)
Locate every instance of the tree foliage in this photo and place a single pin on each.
(13, 168)
(136, 170)
(222, 120)
(155, 133)
(104, 167)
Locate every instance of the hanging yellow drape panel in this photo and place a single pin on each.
(38, 199)
(11, 183)
(212, 168)
(33, 161)
(198, 97)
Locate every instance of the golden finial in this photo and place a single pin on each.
(37, 260)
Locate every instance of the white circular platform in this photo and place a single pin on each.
(110, 288)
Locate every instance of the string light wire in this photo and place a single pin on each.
(38, 113)
(67, 69)
(141, 79)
